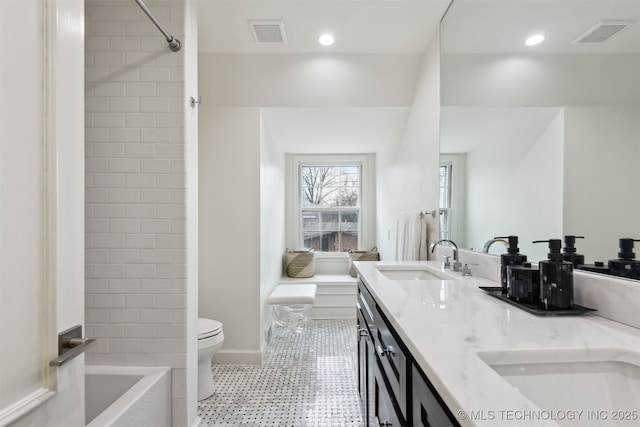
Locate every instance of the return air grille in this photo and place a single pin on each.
(602, 31)
(271, 31)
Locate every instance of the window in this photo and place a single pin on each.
(330, 204)
(445, 200)
(452, 194)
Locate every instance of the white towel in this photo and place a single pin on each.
(411, 238)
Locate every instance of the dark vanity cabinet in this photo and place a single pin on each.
(391, 380)
(384, 405)
(393, 389)
(366, 362)
(427, 408)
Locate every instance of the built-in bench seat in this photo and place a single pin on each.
(335, 295)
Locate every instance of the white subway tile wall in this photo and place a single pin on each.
(136, 302)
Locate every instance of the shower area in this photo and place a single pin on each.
(141, 269)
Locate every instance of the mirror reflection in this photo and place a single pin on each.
(542, 140)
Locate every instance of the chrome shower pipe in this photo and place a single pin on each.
(174, 44)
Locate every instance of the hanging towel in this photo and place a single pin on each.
(411, 238)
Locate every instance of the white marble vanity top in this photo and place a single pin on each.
(445, 323)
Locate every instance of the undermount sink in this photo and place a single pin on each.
(603, 383)
(410, 272)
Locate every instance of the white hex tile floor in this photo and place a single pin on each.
(305, 380)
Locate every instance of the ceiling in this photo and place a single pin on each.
(406, 26)
(501, 26)
(359, 26)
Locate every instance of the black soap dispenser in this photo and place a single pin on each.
(524, 284)
(625, 265)
(556, 278)
(569, 251)
(512, 257)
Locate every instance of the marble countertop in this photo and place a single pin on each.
(445, 323)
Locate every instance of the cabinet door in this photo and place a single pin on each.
(367, 308)
(363, 331)
(427, 410)
(393, 361)
(366, 361)
(384, 409)
(371, 375)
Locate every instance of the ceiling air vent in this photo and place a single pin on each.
(268, 31)
(602, 31)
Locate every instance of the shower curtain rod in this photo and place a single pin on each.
(174, 44)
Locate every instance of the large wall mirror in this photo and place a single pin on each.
(541, 141)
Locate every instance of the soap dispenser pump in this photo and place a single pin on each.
(625, 265)
(569, 251)
(512, 257)
(556, 278)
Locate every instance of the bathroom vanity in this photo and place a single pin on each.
(435, 350)
(386, 370)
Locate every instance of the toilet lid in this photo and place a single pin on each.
(208, 328)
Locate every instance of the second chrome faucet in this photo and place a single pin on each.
(457, 265)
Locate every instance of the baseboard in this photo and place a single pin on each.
(238, 357)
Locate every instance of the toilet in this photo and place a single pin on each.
(210, 339)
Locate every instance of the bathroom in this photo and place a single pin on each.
(144, 311)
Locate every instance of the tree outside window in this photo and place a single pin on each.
(330, 206)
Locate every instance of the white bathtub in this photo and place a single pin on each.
(118, 396)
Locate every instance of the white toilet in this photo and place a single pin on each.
(210, 339)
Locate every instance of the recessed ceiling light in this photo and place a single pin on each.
(534, 40)
(326, 39)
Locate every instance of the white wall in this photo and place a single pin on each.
(607, 142)
(230, 239)
(140, 229)
(407, 177)
(515, 187)
(539, 80)
(591, 88)
(272, 221)
(308, 80)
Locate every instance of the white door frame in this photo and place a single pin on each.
(42, 107)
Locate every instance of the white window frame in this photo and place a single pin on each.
(366, 234)
(457, 162)
(446, 211)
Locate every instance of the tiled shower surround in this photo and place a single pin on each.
(136, 200)
(305, 380)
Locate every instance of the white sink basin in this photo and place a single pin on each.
(602, 383)
(410, 272)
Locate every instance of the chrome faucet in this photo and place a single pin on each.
(456, 265)
(488, 244)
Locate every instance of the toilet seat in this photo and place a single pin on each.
(210, 340)
(208, 328)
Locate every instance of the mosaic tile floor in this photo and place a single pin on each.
(306, 380)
